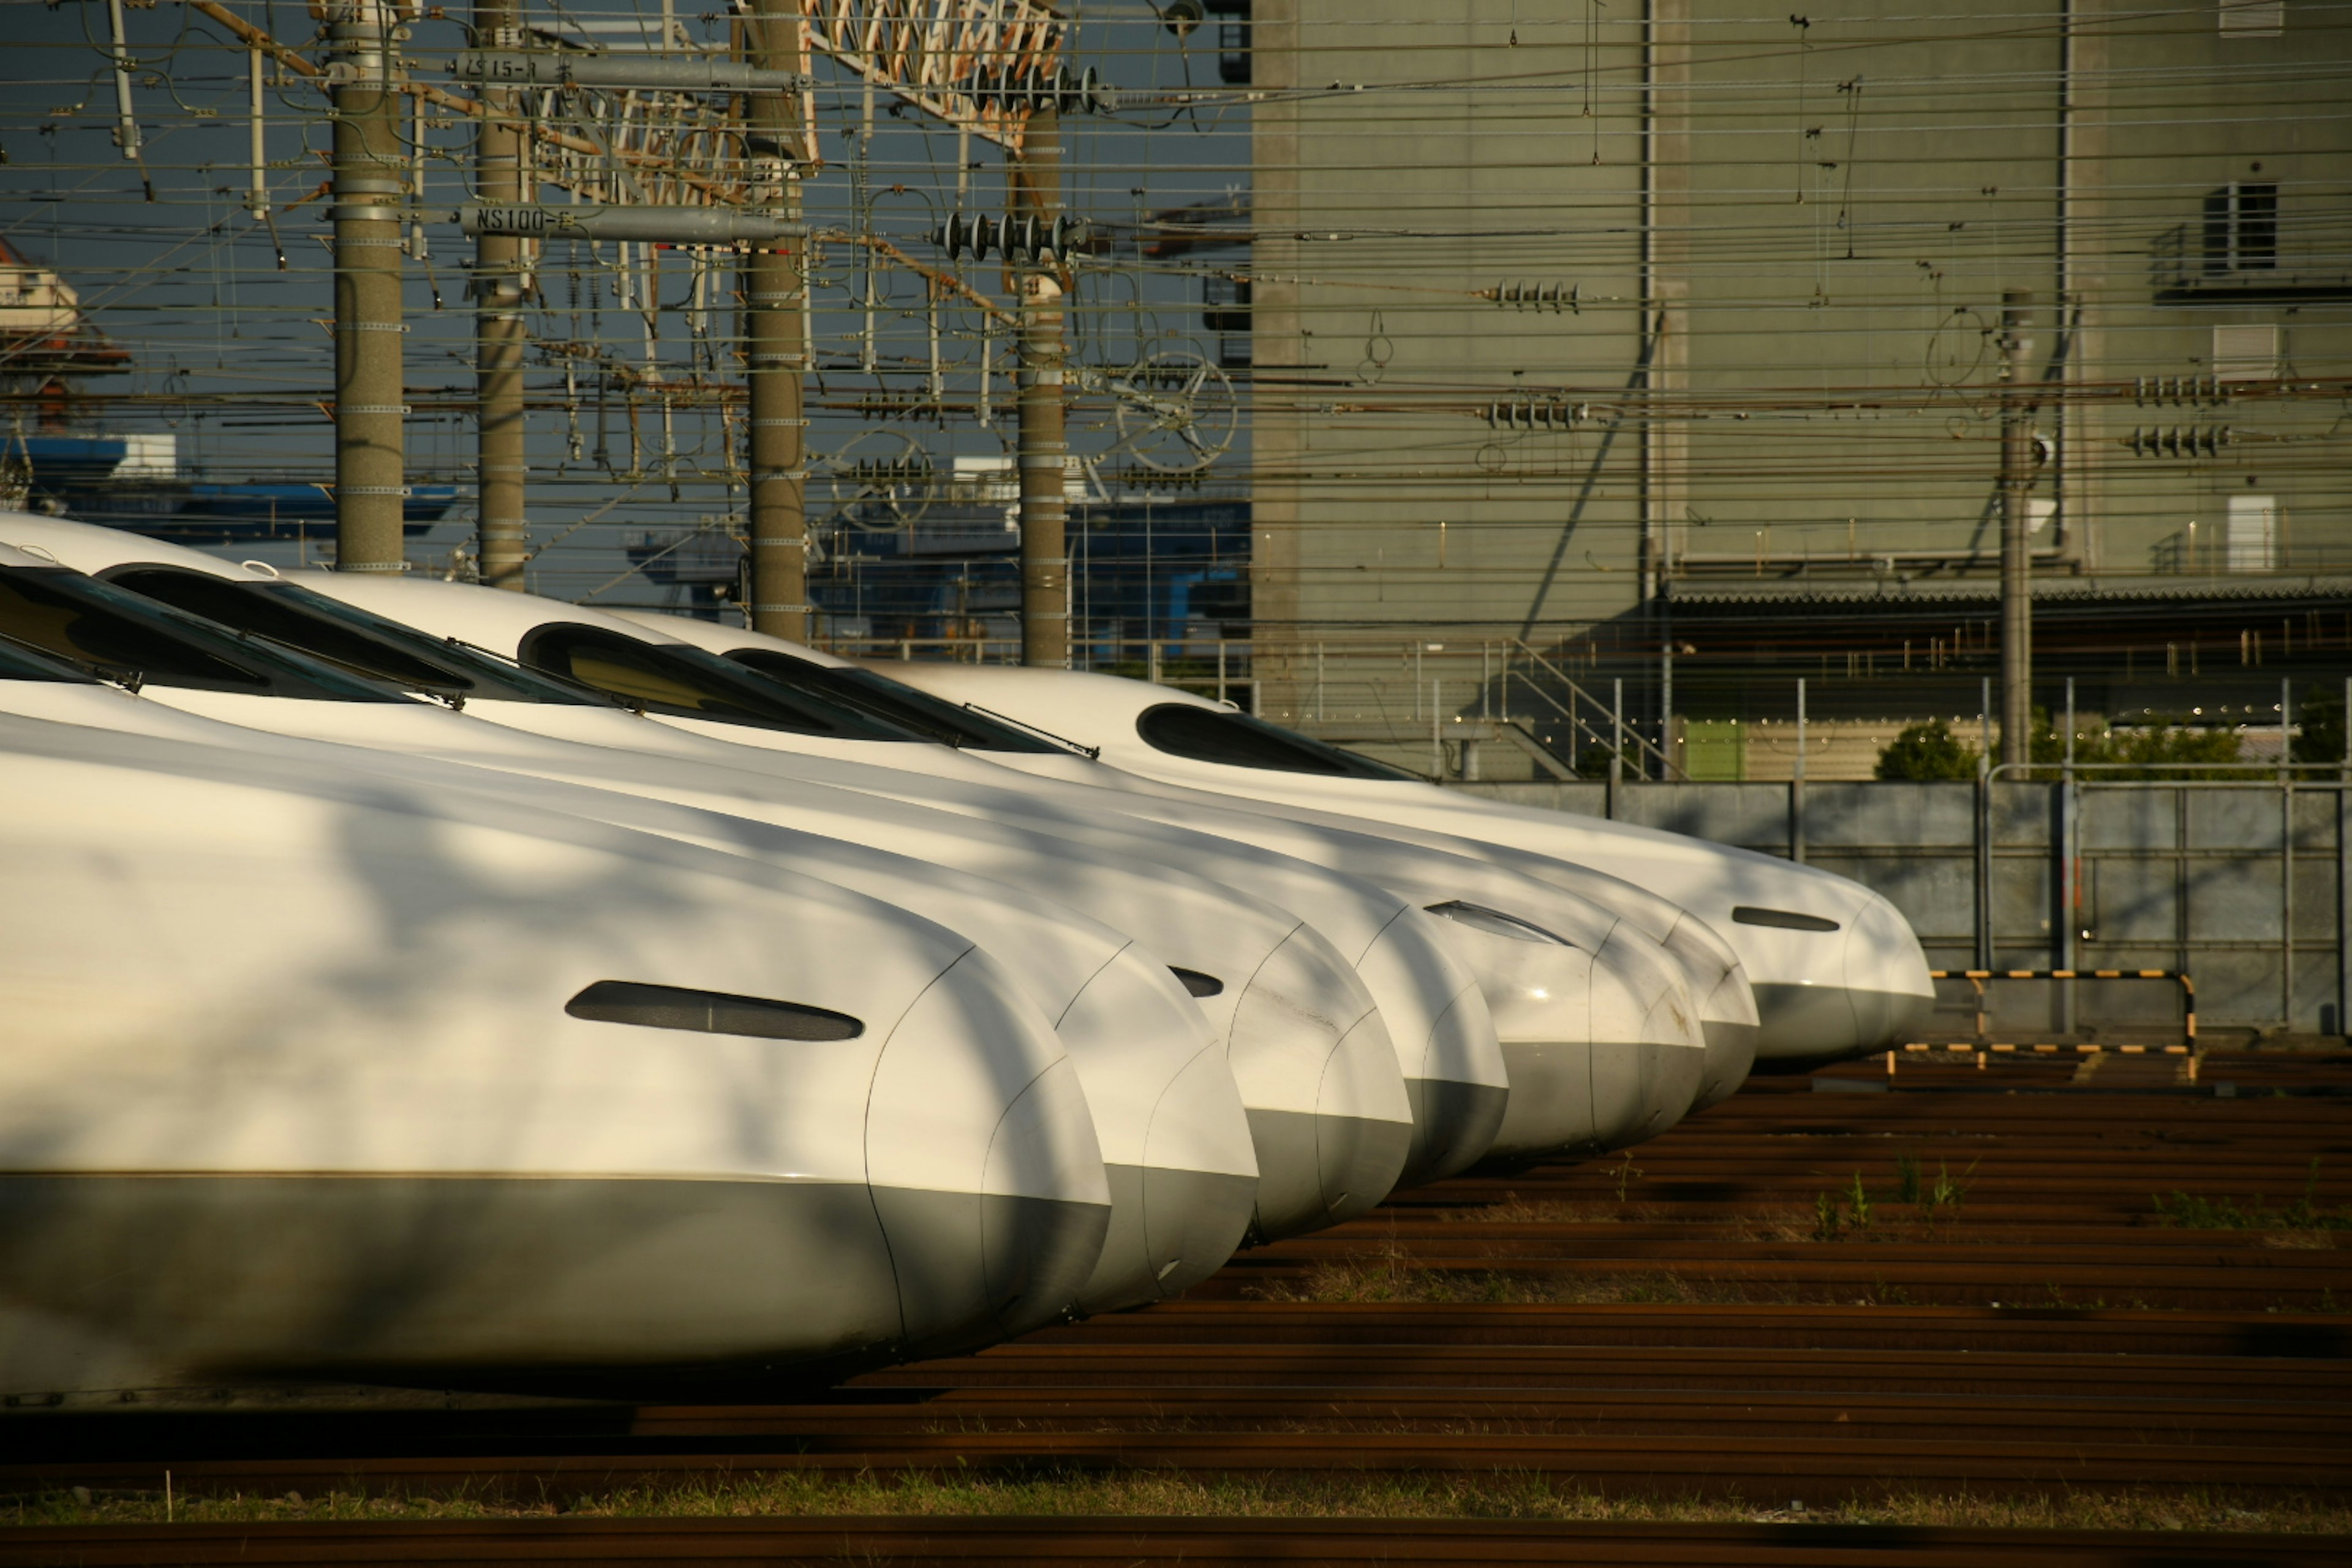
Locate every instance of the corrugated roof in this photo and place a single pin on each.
(1986, 592)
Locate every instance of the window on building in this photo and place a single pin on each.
(1233, 39)
(2253, 18)
(2246, 354)
(2253, 540)
(2242, 229)
(1225, 312)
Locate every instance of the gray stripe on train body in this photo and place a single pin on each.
(1453, 1125)
(1316, 1171)
(977, 1267)
(469, 1281)
(1730, 1056)
(1170, 1229)
(1810, 1024)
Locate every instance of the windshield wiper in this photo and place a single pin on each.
(1091, 753)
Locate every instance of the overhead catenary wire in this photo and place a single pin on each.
(155, 326)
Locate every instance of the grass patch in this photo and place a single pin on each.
(1080, 1494)
(1760, 1225)
(1389, 1277)
(2303, 1216)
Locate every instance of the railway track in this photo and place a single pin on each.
(1131, 1542)
(1685, 1322)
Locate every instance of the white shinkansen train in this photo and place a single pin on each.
(1635, 1004)
(1168, 1115)
(1324, 1106)
(320, 1074)
(1639, 1019)
(1642, 1083)
(1543, 898)
(1835, 969)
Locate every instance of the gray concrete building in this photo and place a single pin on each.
(1659, 348)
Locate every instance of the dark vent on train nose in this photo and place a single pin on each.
(708, 1012)
(1786, 919)
(1197, 984)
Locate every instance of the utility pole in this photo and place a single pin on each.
(500, 264)
(2016, 535)
(776, 351)
(370, 466)
(1035, 192)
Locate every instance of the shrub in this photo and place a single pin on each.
(1927, 752)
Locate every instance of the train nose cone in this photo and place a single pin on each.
(1175, 1139)
(1198, 1175)
(1885, 976)
(1648, 1050)
(982, 1160)
(1455, 1077)
(1726, 1007)
(1318, 1076)
(1537, 990)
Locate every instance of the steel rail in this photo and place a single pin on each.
(1131, 1543)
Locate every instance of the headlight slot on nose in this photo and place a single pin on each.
(1780, 920)
(710, 1012)
(1197, 984)
(1495, 922)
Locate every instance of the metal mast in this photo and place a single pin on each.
(1034, 179)
(776, 352)
(370, 477)
(500, 264)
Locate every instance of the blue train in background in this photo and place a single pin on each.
(134, 482)
(1169, 568)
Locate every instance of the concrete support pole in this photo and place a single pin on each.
(1035, 191)
(2016, 533)
(501, 265)
(370, 466)
(776, 350)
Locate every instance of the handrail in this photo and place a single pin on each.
(1640, 744)
(1977, 978)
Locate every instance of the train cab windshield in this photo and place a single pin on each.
(348, 636)
(133, 640)
(22, 662)
(685, 682)
(1236, 740)
(878, 697)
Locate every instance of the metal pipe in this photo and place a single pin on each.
(649, 224)
(256, 196)
(1035, 191)
(2286, 855)
(2062, 528)
(2343, 873)
(126, 123)
(1436, 736)
(1796, 784)
(2016, 540)
(370, 439)
(502, 534)
(776, 350)
(1616, 739)
(651, 73)
(2068, 870)
(862, 194)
